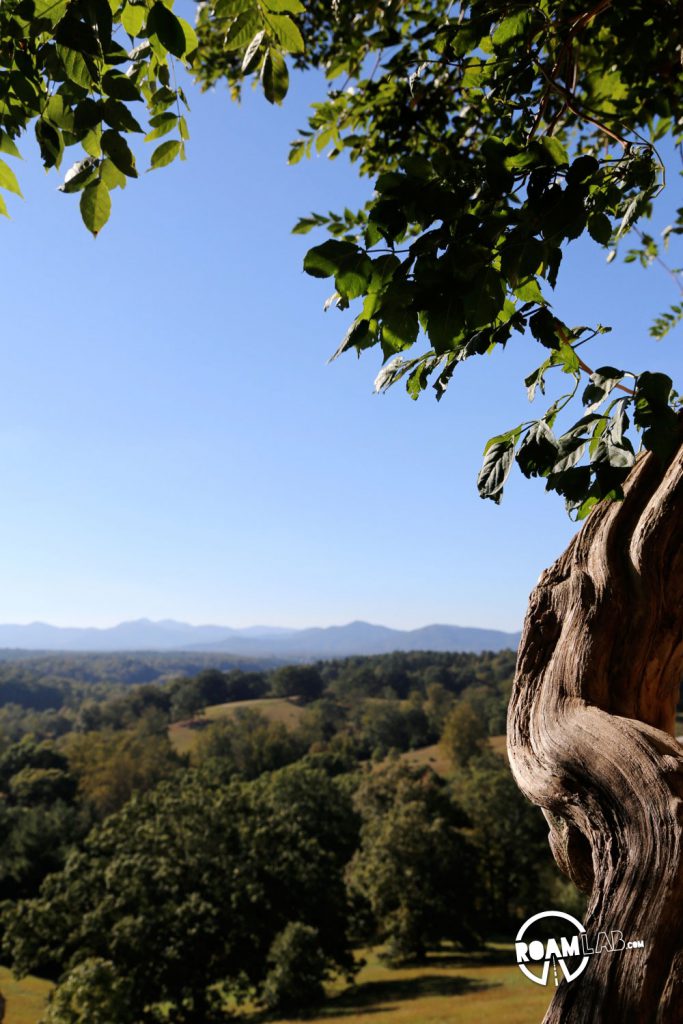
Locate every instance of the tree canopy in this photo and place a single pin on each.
(191, 893)
(496, 134)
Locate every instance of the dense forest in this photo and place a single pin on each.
(220, 842)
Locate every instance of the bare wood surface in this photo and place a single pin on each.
(591, 739)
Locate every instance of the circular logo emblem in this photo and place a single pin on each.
(557, 949)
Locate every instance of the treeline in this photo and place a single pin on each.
(44, 694)
(156, 887)
(56, 680)
(64, 684)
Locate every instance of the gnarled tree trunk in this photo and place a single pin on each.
(591, 736)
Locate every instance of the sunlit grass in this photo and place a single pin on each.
(185, 735)
(25, 999)
(450, 988)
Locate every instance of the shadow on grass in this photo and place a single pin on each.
(373, 996)
(478, 958)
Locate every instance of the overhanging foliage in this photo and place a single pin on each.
(497, 133)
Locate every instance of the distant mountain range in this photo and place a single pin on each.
(256, 641)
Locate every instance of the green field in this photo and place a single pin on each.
(482, 988)
(449, 989)
(184, 735)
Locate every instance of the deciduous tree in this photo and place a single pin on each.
(411, 862)
(185, 896)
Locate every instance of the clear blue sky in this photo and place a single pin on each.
(173, 444)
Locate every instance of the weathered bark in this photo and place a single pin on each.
(591, 740)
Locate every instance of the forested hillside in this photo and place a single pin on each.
(309, 811)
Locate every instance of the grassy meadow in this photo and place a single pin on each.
(184, 735)
(451, 988)
(25, 999)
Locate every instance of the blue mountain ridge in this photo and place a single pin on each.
(360, 638)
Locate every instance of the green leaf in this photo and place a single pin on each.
(635, 208)
(582, 169)
(570, 450)
(417, 381)
(529, 291)
(100, 15)
(353, 277)
(111, 175)
(95, 206)
(91, 143)
(522, 257)
(306, 224)
(274, 77)
(52, 10)
(327, 259)
(602, 382)
(132, 18)
(485, 300)
(555, 150)
(25, 90)
(538, 451)
(360, 334)
(7, 146)
(288, 6)
(666, 322)
(572, 483)
(544, 328)
(120, 86)
(161, 125)
(566, 357)
(661, 432)
(163, 24)
(51, 143)
(399, 331)
(619, 422)
(620, 456)
(8, 179)
(87, 115)
(59, 113)
(600, 228)
(118, 116)
(231, 8)
(163, 98)
(242, 30)
(118, 151)
(75, 66)
(511, 28)
(498, 458)
(191, 41)
(286, 32)
(537, 380)
(653, 391)
(81, 36)
(165, 153)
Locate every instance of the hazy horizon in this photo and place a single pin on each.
(249, 626)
